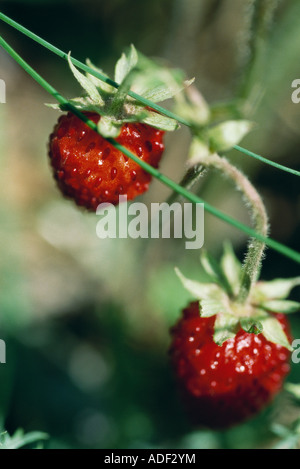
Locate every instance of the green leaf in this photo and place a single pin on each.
(126, 64)
(275, 289)
(232, 268)
(19, 439)
(281, 306)
(273, 332)
(225, 136)
(86, 83)
(251, 325)
(226, 327)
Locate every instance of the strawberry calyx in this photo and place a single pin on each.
(132, 72)
(219, 297)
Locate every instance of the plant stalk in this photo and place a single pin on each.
(252, 264)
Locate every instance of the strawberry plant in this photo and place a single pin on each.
(230, 349)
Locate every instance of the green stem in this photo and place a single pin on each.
(153, 171)
(140, 99)
(190, 178)
(261, 14)
(269, 162)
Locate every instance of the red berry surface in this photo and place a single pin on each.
(91, 171)
(225, 385)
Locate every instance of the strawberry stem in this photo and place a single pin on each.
(259, 16)
(252, 264)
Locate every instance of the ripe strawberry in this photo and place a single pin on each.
(231, 356)
(91, 171)
(224, 385)
(87, 168)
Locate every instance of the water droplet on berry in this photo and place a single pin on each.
(139, 151)
(133, 175)
(138, 186)
(106, 193)
(81, 135)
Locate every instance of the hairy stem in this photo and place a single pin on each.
(259, 20)
(252, 264)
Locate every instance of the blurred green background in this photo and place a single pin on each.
(86, 321)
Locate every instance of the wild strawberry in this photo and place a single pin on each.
(91, 171)
(231, 358)
(88, 168)
(224, 385)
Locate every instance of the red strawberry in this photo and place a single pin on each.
(224, 385)
(91, 171)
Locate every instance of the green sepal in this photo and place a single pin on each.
(226, 327)
(232, 268)
(213, 306)
(225, 136)
(86, 84)
(192, 106)
(126, 64)
(251, 325)
(105, 88)
(160, 122)
(281, 306)
(273, 332)
(109, 128)
(274, 290)
(214, 271)
(200, 291)
(199, 151)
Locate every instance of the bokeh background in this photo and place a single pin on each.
(87, 322)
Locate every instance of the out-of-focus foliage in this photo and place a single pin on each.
(86, 321)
